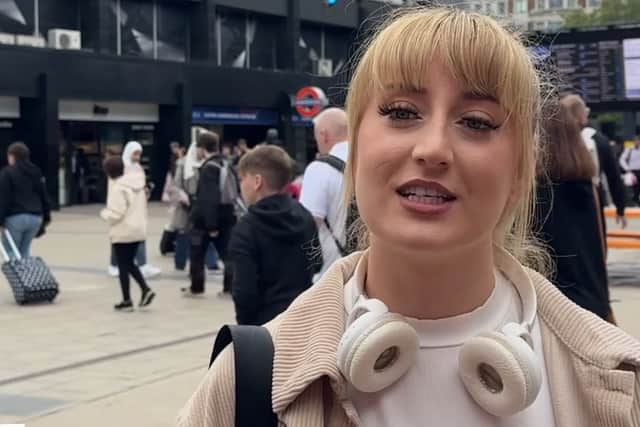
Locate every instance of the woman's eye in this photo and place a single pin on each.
(478, 124)
(398, 113)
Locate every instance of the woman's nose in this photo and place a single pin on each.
(432, 146)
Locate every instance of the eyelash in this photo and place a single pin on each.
(392, 111)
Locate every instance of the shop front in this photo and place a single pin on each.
(9, 124)
(89, 132)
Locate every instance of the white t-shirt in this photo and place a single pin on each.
(630, 159)
(322, 196)
(432, 393)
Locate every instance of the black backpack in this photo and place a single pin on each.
(352, 211)
(253, 357)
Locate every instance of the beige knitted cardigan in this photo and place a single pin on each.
(592, 366)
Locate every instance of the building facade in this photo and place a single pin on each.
(82, 77)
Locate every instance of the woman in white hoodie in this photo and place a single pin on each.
(126, 213)
(131, 159)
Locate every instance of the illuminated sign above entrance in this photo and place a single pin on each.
(309, 101)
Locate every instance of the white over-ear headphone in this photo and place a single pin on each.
(499, 369)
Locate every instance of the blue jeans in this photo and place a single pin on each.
(23, 228)
(183, 249)
(141, 255)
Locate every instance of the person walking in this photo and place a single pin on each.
(24, 204)
(442, 320)
(603, 157)
(630, 163)
(321, 191)
(131, 157)
(185, 188)
(568, 195)
(271, 247)
(212, 213)
(126, 214)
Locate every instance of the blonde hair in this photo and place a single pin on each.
(488, 60)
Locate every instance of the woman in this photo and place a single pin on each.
(126, 213)
(568, 196)
(24, 204)
(438, 321)
(131, 157)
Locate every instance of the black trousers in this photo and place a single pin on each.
(125, 256)
(200, 241)
(636, 188)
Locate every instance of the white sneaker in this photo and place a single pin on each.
(149, 271)
(113, 271)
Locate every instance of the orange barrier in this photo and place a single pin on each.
(610, 212)
(624, 233)
(623, 243)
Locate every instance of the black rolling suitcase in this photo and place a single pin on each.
(29, 278)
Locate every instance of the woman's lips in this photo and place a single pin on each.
(426, 205)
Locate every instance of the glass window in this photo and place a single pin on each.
(521, 6)
(594, 3)
(541, 4)
(502, 9)
(555, 4)
(478, 7)
(554, 25)
(136, 25)
(337, 43)
(171, 31)
(233, 39)
(310, 46)
(17, 17)
(263, 41)
(488, 8)
(572, 4)
(53, 15)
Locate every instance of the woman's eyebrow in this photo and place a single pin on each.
(474, 96)
(405, 90)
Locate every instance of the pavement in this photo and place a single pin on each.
(77, 362)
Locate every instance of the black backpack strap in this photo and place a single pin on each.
(253, 351)
(334, 161)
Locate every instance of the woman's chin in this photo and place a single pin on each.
(421, 239)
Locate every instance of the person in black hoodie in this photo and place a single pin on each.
(212, 212)
(567, 216)
(272, 247)
(24, 204)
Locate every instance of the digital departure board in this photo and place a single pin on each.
(594, 70)
(631, 52)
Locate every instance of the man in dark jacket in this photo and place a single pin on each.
(272, 247)
(24, 204)
(212, 216)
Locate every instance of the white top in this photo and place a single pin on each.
(630, 159)
(322, 196)
(432, 393)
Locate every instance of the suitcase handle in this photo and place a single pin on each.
(13, 246)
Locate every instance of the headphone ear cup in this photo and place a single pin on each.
(377, 350)
(500, 372)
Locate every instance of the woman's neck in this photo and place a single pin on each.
(430, 286)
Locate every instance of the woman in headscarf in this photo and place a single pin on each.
(186, 184)
(131, 157)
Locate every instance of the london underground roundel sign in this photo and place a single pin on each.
(310, 101)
